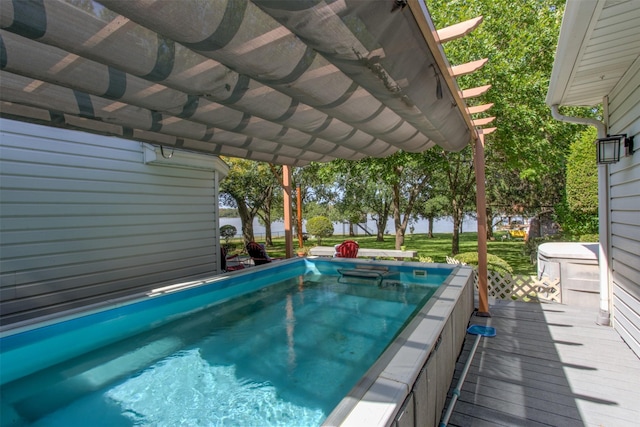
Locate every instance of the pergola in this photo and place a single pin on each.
(286, 82)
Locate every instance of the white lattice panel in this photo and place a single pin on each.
(522, 288)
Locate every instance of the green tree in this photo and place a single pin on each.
(273, 205)
(320, 226)
(367, 193)
(264, 214)
(432, 209)
(228, 232)
(458, 188)
(582, 174)
(578, 213)
(393, 186)
(525, 156)
(410, 177)
(351, 190)
(247, 187)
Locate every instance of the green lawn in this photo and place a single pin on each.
(437, 248)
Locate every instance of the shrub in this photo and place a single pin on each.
(424, 258)
(582, 176)
(578, 212)
(227, 232)
(494, 262)
(576, 223)
(320, 226)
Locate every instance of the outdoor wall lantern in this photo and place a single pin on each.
(609, 148)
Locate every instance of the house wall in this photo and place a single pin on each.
(83, 220)
(624, 198)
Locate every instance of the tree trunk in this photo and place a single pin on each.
(490, 224)
(397, 217)
(399, 236)
(266, 220)
(247, 221)
(400, 222)
(268, 241)
(266, 217)
(455, 240)
(457, 222)
(430, 235)
(352, 233)
(381, 224)
(534, 229)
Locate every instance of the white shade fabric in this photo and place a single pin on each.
(283, 81)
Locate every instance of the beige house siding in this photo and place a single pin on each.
(83, 219)
(624, 180)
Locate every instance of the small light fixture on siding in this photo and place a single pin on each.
(609, 148)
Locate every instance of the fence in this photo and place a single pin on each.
(522, 288)
(519, 287)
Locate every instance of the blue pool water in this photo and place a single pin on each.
(283, 354)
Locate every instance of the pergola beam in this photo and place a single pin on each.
(468, 68)
(487, 131)
(483, 121)
(475, 91)
(431, 37)
(479, 108)
(458, 30)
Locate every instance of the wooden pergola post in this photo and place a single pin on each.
(439, 37)
(299, 216)
(481, 203)
(288, 233)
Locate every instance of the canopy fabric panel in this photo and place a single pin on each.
(288, 81)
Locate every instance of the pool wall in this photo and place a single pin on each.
(134, 315)
(408, 384)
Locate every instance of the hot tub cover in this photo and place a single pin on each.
(283, 81)
(569, 250)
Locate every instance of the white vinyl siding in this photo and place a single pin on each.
(84, 220)
(624, 179)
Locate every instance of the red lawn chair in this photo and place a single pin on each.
(258, 254)
(347, 249)
(229, 263)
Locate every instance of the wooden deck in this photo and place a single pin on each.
(549, 365)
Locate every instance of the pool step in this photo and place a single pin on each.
(374, 273)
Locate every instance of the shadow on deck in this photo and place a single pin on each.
(549, 365)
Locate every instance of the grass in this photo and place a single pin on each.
(438, 248)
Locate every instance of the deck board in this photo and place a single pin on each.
(548, 365)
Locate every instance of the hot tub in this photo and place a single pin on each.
(576, 266)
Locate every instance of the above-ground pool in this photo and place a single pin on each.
(292, 343)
